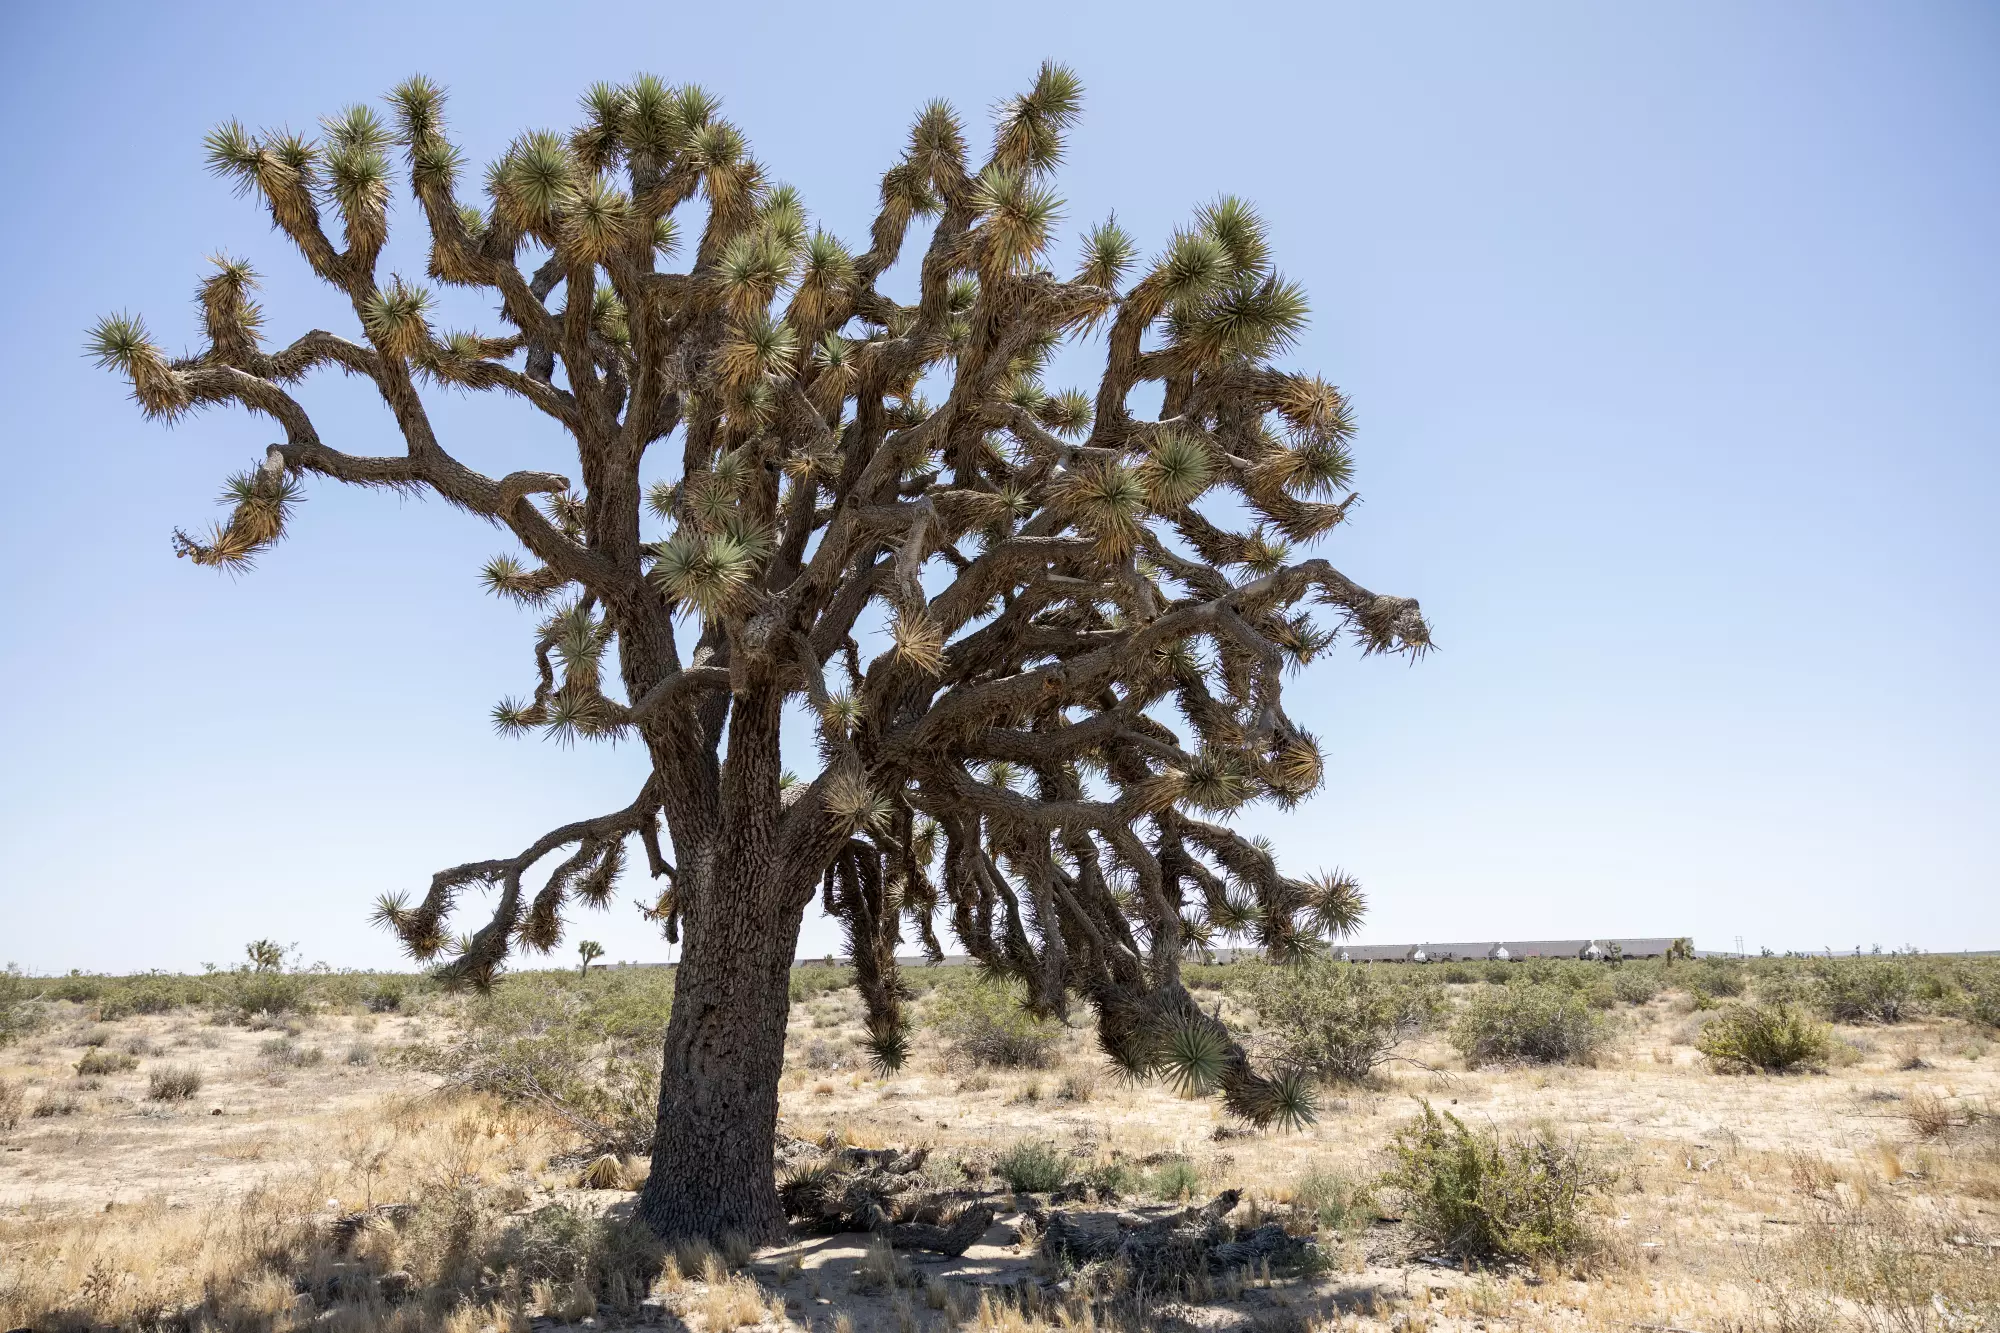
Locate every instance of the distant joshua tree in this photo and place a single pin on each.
(1041, 636)
(265, 955)
(587, 952)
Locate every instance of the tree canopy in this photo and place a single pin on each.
(1042, 634)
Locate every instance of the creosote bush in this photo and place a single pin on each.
(982, 1023)
(1476, 1194)
(1772, 1038)
(1539, 1024)
(1865, 991)
(1338, 1021)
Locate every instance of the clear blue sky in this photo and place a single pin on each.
(1674, 332)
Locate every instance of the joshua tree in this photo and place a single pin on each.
(1041, 637)
(265, 955)
(587, 952)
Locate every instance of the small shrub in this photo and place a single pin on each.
(984, 1023)
(1333, 1201)
(385, 996)
(1632, 986)
(1474, 1195)
(97, 1036)
(1771, 1038)
(1541, 1024)
(13, 1100)
(551, 1244)
(811, 980)
(175, 1083)
(360, 1054)
(1719, 976)
(1032, 1166)
(284, 1053)
(1457, 974)
(56, 1104)
(98, 1060)
(1078, 1085)
(1870, 991)
(1113, 1179)
(20, 1013)
(1175, 1178)
(1982, 1002)
(1336, 1021)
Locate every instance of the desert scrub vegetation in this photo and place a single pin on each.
(584, 1049)
(1032, 1166)
(20, 1014)
(1476, 1194)
(1771, 1038)
(1337, 1021)
(1866, 990)
(462, 1246)
(1532, 1022)
(982, 1024)
(173, 1083)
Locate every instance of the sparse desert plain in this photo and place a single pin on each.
(294, 1151)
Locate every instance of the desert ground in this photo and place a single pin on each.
(323, 1174)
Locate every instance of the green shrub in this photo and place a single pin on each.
(1457, 974)
(385, 996)
(100, 1061)
(1718, 976)
(20, 1013)
(811, 980)
(1633, 986)
(266, 994)
(587, 1054)
(1474, 1195)
(1333, 1201)
(1113, 1179)
(1175, 1178)
(1773, 1038)
(1336, 1021)
(551, 1244)
(982, 1023)
(148, 993)
(175, 1083)
(1536, 1023)
(1982, 1001)
(284, 1053)
(1032, 1166)
(1865, 990)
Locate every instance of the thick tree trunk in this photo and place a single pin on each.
(713, 1172)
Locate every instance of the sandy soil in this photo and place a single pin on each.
(1712, 1171)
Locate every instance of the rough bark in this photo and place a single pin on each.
(713, 1174)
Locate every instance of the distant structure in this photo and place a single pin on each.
(1497, 951)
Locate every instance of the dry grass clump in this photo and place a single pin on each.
(13, 1100)
(454, 1252)
(175, 1083)
(99, 1060)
